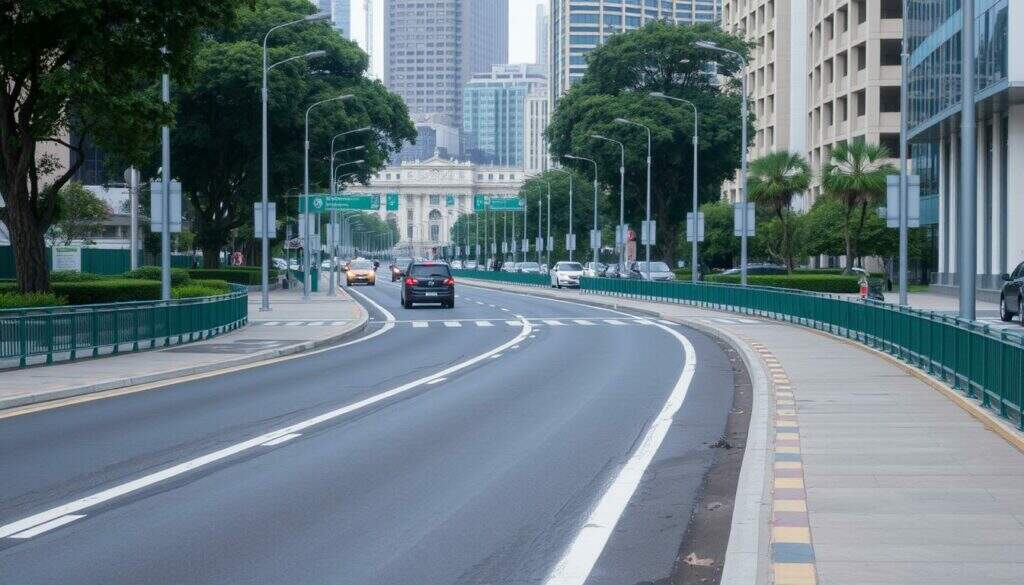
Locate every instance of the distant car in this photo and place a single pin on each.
(566, 274)
(360, 272)
(611, 271)
(428, 282)
(593, 269)
(759, 269)
(509, 267)
(1011, 300)
(529, 268)
(656, 271)
(398, 268)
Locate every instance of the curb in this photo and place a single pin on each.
(359, 326)
(748, 533)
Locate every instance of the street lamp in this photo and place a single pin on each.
(265, 188)
(334, 215)
(307, 281)
(647, 223)
(696, 131)
(595, 240)
(526, 206)
(744, 228)
(572, 234)
(620, 242)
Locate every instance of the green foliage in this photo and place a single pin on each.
(720, 248)
(234, 275)
(14, 300)
(72, 276)
(221, 286)
(113, 290)
(828, 283)
(85, 69)
(217, 140)
(194, 290)
(79, 215)
(179, 276)
(620, 73)
(774, 179)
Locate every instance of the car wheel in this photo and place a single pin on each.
(1004, 311)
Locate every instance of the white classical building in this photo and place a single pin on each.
(432, 194)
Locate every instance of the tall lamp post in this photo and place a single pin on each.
(334, 214)
(696, 133)
(265, 188)
(744, 228)
(307, 281)
(595, 242)
(967, 234)
(621, 230)
(647, 213)
(571, 232)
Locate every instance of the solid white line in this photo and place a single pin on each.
(665, 322)
(578, 560)
(271, 323)
(46, 526)
(173, 471)
(436, 381)
(484, 324)
(644, 322)
(452, 324)
(280, 440)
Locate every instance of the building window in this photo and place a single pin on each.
(435, 199)
(861, 98)
(889, 52)
(889, 98)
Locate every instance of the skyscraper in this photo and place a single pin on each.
(579, 27)
(341, 17)
(431, 49)
(543, 34)
(494, 115)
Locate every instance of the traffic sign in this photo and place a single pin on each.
(692, 231)
(506, 204)
(892, 201)
(325, 203)
(257, 216)
(540, 244)
(737, 226)
(156, 189)
(392, 202)
(570, 242)
(480, 202)
(648, 229)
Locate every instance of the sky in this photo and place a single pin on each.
(521, 25)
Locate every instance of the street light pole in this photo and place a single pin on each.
(307, 281)
(968, 232)
(264, 181)
(696, 133)
(621, 230)
(647, 213)
(743, 153)
(595, 243)
(165, 201)
(571, 232)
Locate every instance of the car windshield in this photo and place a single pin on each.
(529, 266)
(402, 262)
(568, 266)
(429, 271)
(361, 265)
(654, 267)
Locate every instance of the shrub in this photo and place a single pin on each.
(193, 290)
(72, 276)
(112, 290)
(221, 286)
(12, 300)
(826, 283)
(237, 275)
(179, 276)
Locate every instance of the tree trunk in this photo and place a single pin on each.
(848, 240)
(787, 254)
(28, 242)
(211, 257)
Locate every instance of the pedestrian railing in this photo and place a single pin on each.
(509, 277)
(89, 329)
(982, 362)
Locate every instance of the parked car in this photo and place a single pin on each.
(529, 268)
(657, 271)
(593, 269)
(1011, 300)
(759, 269)
(566, 274)
(428, 282)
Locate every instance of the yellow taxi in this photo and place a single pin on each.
(360, 272)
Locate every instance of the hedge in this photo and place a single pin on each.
(179, 276)
(237, 275)
(11, 300)
(113, 290)
(193, 290)
(826, 283)
(220, 287)
(72, 276)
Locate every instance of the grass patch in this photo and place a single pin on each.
(826, 283)
(15, 300)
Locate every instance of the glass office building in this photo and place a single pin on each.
(933, 30)
(494, 113)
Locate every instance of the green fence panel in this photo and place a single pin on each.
(88, 329)
(101, 261)
(506, 277)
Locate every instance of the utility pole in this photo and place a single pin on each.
(165, 200)
(967, 237)
(904, 180)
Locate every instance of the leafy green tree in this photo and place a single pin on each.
(72, 72)
(216, 146)
(79, 215)
(855, 174)
(773, 181)
(824, 227)
(620, 74)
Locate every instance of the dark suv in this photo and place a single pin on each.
(428, 282)
(1011, 301)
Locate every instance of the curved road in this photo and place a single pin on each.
(471, 445)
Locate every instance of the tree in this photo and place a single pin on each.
(71, 72)
(721, 248)
(78, 216)
(216, 146)
(659, 57)
(855, 174)
(773, 181)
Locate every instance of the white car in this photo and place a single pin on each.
(280, 263)
(593, 269)
(566, 274)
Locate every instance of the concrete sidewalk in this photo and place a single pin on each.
(874, 474)
(291, 326)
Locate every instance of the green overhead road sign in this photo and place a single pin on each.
(496, 203)
(392, 202)
(325, 203)
(480, 202)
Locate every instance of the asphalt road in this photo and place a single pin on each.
(470, 445)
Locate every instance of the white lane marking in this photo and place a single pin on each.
(504, 309)
(582, 322)
(613, 322)
(46, 526)
(644, 322)
(748, 321)
(181, 468)
(578, 560)
(418, 324)
(282, 439)
(294, 323)
(513, 323)
(315, 323)
(664, 322)
(479, 303)
(269, 323)
(515, 347)
(452, 324)
(492, 306)
(436, 381)
(484, 324)
(495, 356)
(553, 323)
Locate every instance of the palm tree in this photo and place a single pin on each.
(855, 174)
(774, 180)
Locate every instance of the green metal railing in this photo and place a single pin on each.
(983, 363)
(88, 329)
(509, 277)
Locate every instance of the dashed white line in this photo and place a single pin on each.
(504, 309)
(418, 324)
(664, 322)
(452, 324)
(484, 324)
(613, 322)
(553, 323)
(582, 322)
(514, 323)
(281, 439)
